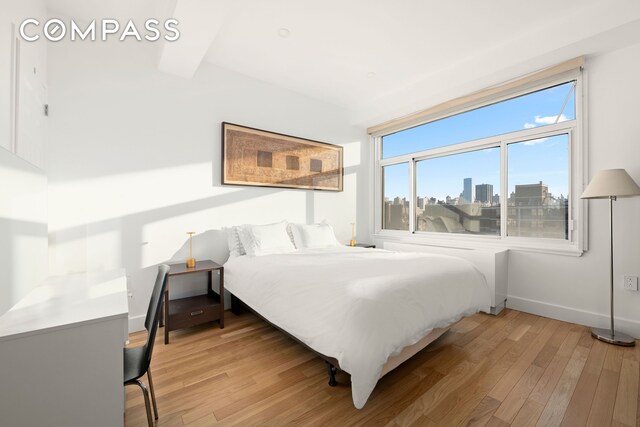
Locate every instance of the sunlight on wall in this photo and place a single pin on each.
(97, 199)
(352, 154)
(23, 228)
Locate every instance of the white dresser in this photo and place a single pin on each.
(492, 263)
(61, 353)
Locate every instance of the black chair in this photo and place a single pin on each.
(138, 359)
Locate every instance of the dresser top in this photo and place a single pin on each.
(68, 301)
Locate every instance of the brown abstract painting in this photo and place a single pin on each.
(257, 157)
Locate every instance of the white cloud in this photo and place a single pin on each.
(544, 120)
(549, 120)
(535, 141)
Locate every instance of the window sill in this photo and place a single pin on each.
(480, 242)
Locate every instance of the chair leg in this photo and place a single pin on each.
(147, 405)
(153, 394)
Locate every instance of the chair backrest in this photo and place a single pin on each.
(153, 312)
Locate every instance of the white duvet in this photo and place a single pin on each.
(358, 305)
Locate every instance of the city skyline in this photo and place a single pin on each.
(531, 211)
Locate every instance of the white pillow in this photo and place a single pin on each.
(267, 239)
(245, 239)
(233, 241)
(313, 236)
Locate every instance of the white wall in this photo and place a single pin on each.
(577, 289)
(135, 162)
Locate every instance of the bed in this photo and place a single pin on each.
(363, 310)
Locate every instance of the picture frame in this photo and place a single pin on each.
(256, 157)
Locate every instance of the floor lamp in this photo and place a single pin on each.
(611, 184)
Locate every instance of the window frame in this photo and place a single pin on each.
(577, 158)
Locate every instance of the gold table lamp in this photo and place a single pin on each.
(353, 242)
(191, 261)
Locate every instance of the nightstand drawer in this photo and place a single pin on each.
(187, 312)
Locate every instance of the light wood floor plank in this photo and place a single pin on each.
(482, 413)
(580, 405)
(519, 394)
(504, 386)
(512, 369)
(551, 376)
(625, 409)
(528, 415)
(605, 396)
(556, 406)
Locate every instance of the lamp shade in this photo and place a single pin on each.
(611, 182)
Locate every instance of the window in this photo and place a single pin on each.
(500, 170)
(395, 209)
(539, 209)
(443, 206)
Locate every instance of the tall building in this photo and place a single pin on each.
(484, 193)
(531, 195)
(396, 216)
(421, 202)
(467, 192)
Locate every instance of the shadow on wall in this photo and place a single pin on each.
(128, 236)
(130, 226)
(210, 245)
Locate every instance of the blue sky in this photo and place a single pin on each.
(529, 162)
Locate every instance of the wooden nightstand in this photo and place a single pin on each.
(365, 245)
(186, 312)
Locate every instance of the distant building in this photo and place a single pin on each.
(531, 195)
(484, 193)
(396, 216)
(496, 199)
(396, 201)
(534, 212)
(467, 191)
(421, 202)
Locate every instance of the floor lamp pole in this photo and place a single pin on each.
(610, 335)
(611, 200)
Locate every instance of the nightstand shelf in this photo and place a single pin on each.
(365, 245)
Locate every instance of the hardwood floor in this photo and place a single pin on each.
(512, 369)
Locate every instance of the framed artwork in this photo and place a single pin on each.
(266, 159)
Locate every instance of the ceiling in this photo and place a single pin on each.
(380, 59)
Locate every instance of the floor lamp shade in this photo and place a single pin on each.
(611, 184)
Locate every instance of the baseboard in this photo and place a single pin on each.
(573, 315)
(136, 323)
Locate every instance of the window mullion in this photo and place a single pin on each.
(504, 190)
(412, 195)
